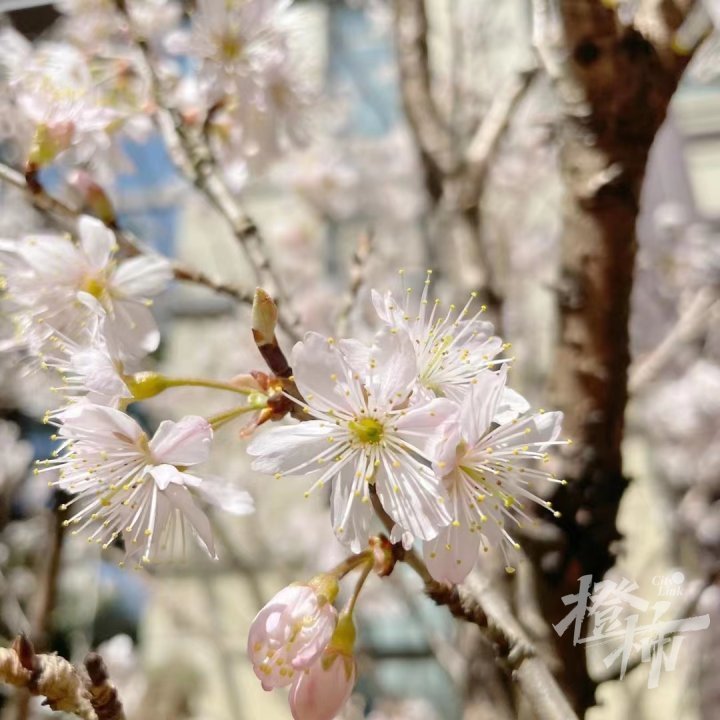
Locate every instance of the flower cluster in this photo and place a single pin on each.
(421, 424)
(83, 312)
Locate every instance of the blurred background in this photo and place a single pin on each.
(344, 199)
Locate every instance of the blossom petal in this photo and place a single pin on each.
(412, 496)
(226, 496)
(182, 500)
(142, 277)
(392, 366)
(165, 475)
(452, 554)
(512, 404)
(87, 421)
(186, 442)
(320, 373)
(133, 328)
(97, 241)
(349, 512)
(480, 406)
(280, 449)
(424, 427)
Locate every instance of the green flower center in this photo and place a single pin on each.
(367, 430)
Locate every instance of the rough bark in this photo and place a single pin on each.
(616, 83)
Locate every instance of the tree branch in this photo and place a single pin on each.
(193, 157)
(475, 601)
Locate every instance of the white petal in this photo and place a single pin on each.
(133, 328)
(186, 442)
(424, 427)
(320, 373)
(226, 496)
(481, 404)
(97, 241)
(100, 422)
(350, 515)
(165, 475)
(182, 500)
(452, 554)
(395, 366)
(512, 405)
(142, 277)
(280, 449)
(413, 497)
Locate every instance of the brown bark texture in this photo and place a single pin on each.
(616, 83)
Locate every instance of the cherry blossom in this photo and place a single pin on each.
(361, 432)
(488, 474)
(60, 287)
(135, 487)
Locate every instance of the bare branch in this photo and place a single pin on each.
(476, 602)
(193, 157)
(358, 268)
(689, 324)
(434, 138)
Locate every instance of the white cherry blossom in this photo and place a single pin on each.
(128, 485)
(452, 347)
(362, 432)
(488, 471)
(60, 287)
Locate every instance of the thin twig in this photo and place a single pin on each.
(476, 602)
(103, 694)
(358, 269)
(52, 207)
(689, 324)
(193, 157)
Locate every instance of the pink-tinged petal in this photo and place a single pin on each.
(142, 277)
(99, 423)
(481, 404)
(165, 475)
(512, 404)
(224, 495)
(349, 513)
(413, 496)
(321, 692)
(424, 427)
(186, 442)
(321, 373)
(392, 367)
(97, 241)
(181, 499)
(308, 652)
(452, 554)
(281, 449)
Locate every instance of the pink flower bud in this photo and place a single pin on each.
(292, 631)
(321, 691)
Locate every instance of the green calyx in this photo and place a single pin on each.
(144, 385)
(326, 587)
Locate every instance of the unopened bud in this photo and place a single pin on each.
(264, 318)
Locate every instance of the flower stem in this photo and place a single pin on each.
(367, 568)
(350, 563)
(217, 421)
(202, 382)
